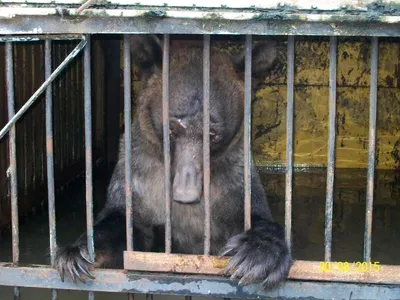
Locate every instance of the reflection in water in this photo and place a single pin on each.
(308, 222)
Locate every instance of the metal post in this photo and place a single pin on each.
(289, 141)
(371, 149)
(50, 157)
(166, 143)
(331, 149)
(88, 151)
(247, 132)
(12, 171)
(206, 144)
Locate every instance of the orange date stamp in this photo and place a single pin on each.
(345, 267)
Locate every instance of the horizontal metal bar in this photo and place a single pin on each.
(301, 270)
(316, 5)
(176, 263)
(258, 25)
(42, 88)
(122, 282)
(221, 14)
(39, 37)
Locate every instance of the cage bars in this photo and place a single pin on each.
(289, 142)
(41, 89)
(247, 130)
(128, 141)
(206, 144)
(371, 148)
(166, 143)
(390, 272)
(330, 177)
(88, 151)
(12, 171)
(50, 158)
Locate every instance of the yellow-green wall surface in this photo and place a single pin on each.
(311, 106)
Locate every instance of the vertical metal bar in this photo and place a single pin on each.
(88, 151)
(206, 144)
(371, 149)
(50, 157)
(128, 171)
(289, 141)
(188, 297)
(166, 143)
(331, 149)
(149, 296)
(128, 139)
(247, 136)
(12, 171)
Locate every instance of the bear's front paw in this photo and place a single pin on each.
(259, 255)
(73, 262)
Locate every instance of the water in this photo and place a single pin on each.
(308, 223)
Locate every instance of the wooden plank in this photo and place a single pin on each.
(363, 272)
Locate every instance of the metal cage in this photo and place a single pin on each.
(68, 20)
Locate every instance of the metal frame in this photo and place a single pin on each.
(24, 21)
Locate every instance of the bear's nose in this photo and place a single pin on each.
(187, 185)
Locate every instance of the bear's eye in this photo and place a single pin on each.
(215, 137)
(176, 127)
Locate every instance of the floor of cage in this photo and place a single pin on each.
(308, 222)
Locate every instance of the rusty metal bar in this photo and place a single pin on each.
(301, 270)
(166, 143)
(371, 149)
(50, 158)
(38, 37)
(289, 141)
(41, 89)
(206, 144)
(128, 142)
(210, 286)
(260, 22)
(331, 149)
(247, 134)
(88, 150)
(12, 171)
(175, 263)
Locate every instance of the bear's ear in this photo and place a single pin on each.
(146, 52)
(264, 56)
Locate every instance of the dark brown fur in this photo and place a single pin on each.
(259, 254)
